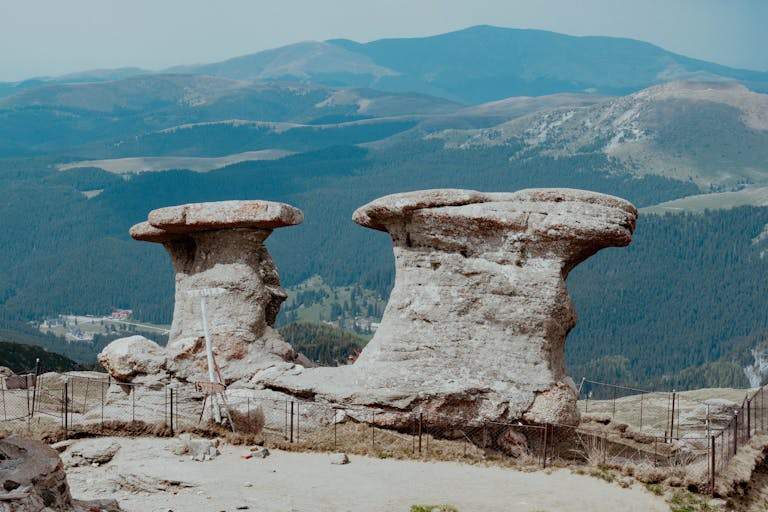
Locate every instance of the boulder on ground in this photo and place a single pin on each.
(33, 480)
(259, 452)
(91, 451)
(128, 357)
(197, 449)
(339, 459)
(513, 443)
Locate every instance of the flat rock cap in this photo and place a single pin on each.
(225, 214)
(381, 212)
(167, 223)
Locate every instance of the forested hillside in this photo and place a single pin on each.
(67, 253)
(325, 345)
(682, 295)
(21, 358)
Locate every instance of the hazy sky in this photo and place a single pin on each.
(48, 37)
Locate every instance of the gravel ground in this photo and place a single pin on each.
(145, 476)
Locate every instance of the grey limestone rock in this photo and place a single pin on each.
(128, 357)
(475, 327)
(216, 247)
(33, 480)
(91, 451)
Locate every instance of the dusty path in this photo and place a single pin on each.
(304, 482)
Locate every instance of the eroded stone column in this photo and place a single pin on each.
(476, 323)
(219, 247)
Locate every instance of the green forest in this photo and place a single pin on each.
(325, 345)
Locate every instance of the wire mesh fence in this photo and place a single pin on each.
(642, 426)
(668, 414)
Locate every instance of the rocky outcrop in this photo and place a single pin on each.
(475, 327)
(33, 480)
(218, 250)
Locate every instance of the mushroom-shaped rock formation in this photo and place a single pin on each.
(217, 251)
(475, 327)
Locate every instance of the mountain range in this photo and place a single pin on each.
(474, 65)
(328, 126)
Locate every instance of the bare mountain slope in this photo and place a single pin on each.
(714, 133)
(299, 61)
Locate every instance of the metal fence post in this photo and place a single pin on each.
(749, 419)
(421, 423)
(291, 438)
(373, 430)
(641, 411)
(613, 414)
(34, 391)
(672, 420)
(735, 433)
(171, 409)
(712, 463)
(66, 407)
(544, 448)
(102, 405)
(133, 404)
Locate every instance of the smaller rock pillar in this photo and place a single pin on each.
(220, 246)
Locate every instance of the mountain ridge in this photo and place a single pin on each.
(714, 133)
(472, 65)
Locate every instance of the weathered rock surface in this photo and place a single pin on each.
(91, 451)
(219, 247)
(475, 327)
(198, 449)
(33, 480)
(135, 355)
(339, 459)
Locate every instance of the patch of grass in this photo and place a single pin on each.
(433, 508)
(603, 474)
(656, 489)
(683, 501)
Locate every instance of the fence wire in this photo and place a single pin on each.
(91, 402)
